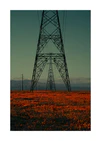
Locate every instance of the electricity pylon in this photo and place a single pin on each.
(50, 81)
(50, 30)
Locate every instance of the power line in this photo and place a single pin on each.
(38, 17)
(64, 25)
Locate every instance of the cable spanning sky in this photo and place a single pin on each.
(75, 26)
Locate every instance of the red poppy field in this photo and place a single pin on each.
(50, 111)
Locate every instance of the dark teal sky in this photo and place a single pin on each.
(24, 37)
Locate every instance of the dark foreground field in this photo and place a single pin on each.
(50, 111)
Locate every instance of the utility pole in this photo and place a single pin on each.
(22, 82)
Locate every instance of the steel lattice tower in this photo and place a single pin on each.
(50, 81)
(41, 59)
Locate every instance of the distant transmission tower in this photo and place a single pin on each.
(50, 81)
(50, 30)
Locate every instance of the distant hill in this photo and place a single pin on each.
(16, 85)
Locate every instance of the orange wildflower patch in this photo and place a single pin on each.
(50, 110)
